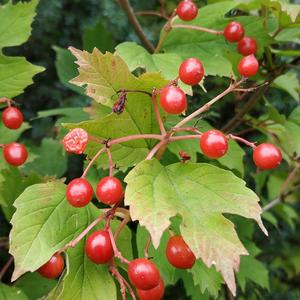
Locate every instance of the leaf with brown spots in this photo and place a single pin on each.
(200, 194)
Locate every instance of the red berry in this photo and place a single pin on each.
(234, 32)
(247, 46)
(191, 71)
(213, 144)
(12, 118)
(79, 192)
(15, 154)
(76, 140)
(248, 66)
(267, 156)
(143, 274)
(156, 293)
(173, 100)
(53, 268)
(98, 247)
(109, 190)
(179, 254)
(187, 10)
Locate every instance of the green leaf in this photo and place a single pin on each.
(137, 118)
(136, 56)
(295, 115)
(98, 36)
(259, 273)
(66, 69)
(289, 83)
(43, 223)
(15, 22)
(85, 279)
(34, 285)
(208, 279)
(103, 75)
(51, 159)
(12, 184)
(11, 293)
(200, 194)
(192, 290)
(210, 48)
(15, 26)
(286, 13)
(15, 75)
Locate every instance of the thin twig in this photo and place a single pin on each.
(207, 106)
(6, 267)
(117, 253)
(157, 113)
(122, 225)
(74, 242)
(146, 250)
(120, 279)
(92, 161)
(165, 32)
(198, 28)
(125, 5)
(155, 149)
(110, 160)
(283, 193)
(150, 13)
(239, 139)
(185, 137)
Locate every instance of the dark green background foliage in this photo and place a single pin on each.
(101, 23)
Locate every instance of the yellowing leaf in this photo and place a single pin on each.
(200, 194)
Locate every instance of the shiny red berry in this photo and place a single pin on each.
(191, 71)
(15, 154)
(187, 10)
(248, 66)
(234, 32)
(247, 46)
(98, 247)
(109, 190)
(179, 253)
(267, 156)
(157, 293)
(76, 140)
(12, 118)
(53, 268)
(79, 192)
(143, 274)
(173, 100)
(213, 144)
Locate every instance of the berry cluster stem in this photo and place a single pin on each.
(198, 28)
(207, 106)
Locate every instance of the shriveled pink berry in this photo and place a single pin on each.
(76, 140)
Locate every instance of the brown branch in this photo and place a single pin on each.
(125, 5)
(238, 118)
(6, 267)
(283, 194)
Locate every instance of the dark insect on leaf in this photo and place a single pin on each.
(119, 105)
(184, 156)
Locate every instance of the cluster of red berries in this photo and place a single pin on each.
(14, 153)
(143, 273)
(214, 144)
(234, 32)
